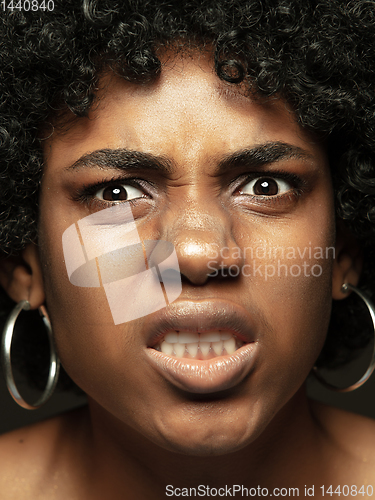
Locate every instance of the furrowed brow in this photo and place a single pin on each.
(123, 160)
(264, 154)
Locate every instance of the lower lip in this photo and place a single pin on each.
(205, 376)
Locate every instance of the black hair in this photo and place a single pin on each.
(317, 54)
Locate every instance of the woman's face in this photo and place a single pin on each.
(245, 196)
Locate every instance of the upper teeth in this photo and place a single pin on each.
(190, 338)
(208, 343)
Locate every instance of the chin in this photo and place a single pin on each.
(214, 445)
(203, 436)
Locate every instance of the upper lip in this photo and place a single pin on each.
(200, 316)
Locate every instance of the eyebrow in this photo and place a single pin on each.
(122, 159)
(125, 159)
(263, 154)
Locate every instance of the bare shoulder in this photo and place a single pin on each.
(352, 434)
(33, 457)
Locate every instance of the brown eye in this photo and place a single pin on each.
(266, 186)
(119, 192)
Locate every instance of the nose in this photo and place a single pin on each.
(204, 243)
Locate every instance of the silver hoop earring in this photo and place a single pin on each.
(345, 288)
(7, 363)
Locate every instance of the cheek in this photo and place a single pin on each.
(78, 314)
(102, 358)
(290, 283)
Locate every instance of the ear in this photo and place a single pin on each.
(347, 266)
(21, 277)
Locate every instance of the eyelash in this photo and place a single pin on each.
(86, 193)
(299, 186)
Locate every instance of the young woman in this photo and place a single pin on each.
(240, 136)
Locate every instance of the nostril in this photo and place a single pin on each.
(196, 280)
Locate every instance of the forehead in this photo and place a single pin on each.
(187, 114)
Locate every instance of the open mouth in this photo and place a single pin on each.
(199, 346)
(202, 346)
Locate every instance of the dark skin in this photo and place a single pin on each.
(141, 431)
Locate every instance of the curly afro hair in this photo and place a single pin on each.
(318, 54)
